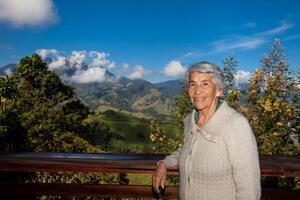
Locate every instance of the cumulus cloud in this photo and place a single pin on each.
(77, 59)
(79, 66)
(100, 59)
(138, 72)
(44, 53)
(242, 76)
(28, 12)
(58, 64)
(174, 68)
(95, 74)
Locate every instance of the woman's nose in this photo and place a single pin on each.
(198, 90)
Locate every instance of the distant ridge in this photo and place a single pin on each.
(138, 97)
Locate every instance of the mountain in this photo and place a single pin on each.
(137, 97)
(7, 69)
(170, 88)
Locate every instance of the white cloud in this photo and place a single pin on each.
(138, 72)
(174, 68)
(77, 59)
(28, 12)
(189, 54)
(58, 64)
(44, 53)
(243, 42)
(280, 29)
(237, 42)
(8, 71)
(95, 74)
(242, 76)
(251, 42)
(99, 59)
(80, 66)
(248, 42)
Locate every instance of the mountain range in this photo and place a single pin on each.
(137, 97)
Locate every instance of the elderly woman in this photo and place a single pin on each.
(218, 158)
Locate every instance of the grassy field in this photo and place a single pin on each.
(133, 132)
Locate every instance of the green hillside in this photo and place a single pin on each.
(131, 134)
(140, 97)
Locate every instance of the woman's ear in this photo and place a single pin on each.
(219, 93)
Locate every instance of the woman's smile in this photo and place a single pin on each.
(202, 91)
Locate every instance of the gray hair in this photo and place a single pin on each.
(209, 68)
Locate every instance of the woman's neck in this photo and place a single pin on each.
(207, 113)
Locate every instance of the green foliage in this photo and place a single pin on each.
(271, 108)
(231, 93)
(134, 96)
(183, 104)
(127, 133)
(39, 113)
(161, 143)
(229, 70)
(98, 133)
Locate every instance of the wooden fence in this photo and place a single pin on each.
(288, 166)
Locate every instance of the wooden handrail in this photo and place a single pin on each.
(123, 163)
(120, 163)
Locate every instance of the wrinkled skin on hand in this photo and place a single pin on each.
(159, 177)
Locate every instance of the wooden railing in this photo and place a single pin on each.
(288, 166)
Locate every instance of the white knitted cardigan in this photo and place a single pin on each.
(219, 160)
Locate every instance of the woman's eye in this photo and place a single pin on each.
(192, 85)
(205, 84)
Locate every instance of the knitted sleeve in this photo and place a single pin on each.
(172, 160)
(243, 156)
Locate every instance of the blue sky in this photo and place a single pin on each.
(155, 40)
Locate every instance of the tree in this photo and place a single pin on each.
(35, 102)
(232, 93)
(271, 108)
(39, 113)
(183, 104)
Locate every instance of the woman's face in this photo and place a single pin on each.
(202, 90)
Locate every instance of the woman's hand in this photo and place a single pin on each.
(159, 177)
